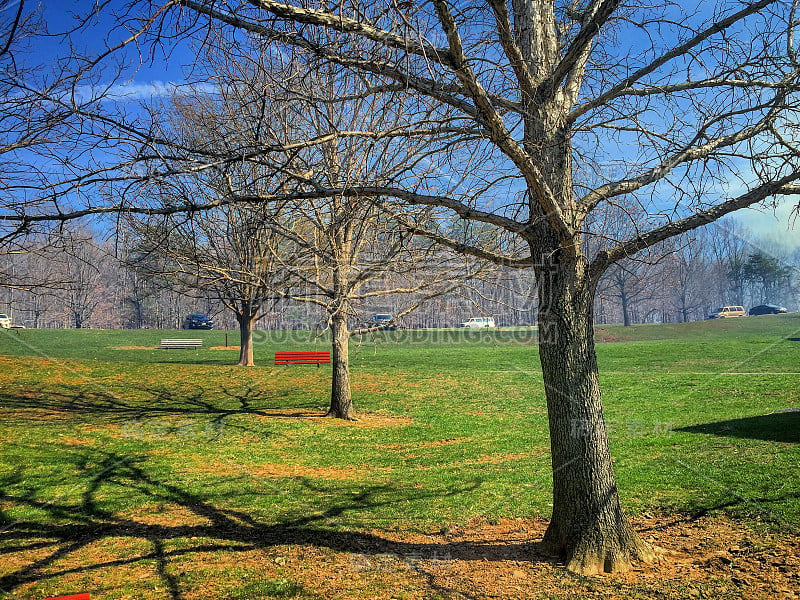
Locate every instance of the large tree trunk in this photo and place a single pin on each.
(245, 340)
(341, 401)
(588, 529)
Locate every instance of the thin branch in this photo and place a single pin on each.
(625, 85)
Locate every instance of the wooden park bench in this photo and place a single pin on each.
(302, 358)
(185, 344)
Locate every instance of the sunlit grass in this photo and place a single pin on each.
(106, 437)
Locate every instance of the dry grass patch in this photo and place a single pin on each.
(133, 347)
(365, 420)
(277, 470)
(167, 515)
(430, 444)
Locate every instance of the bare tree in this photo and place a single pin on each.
(727, 248)
(349, 250)
(83, 290)
(361, 255)
(630, 281)
(686, 274)
(230, 254)
(279, 125)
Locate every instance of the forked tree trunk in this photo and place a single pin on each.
(341, 401)
(588, 528)
(245, 340)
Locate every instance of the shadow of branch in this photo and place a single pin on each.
(66, 528)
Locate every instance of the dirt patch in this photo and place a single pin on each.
(367, 383)
(237, 348)
(365, 420)
(370, 420)
(180, 548)
(279, 470)
(706, 558)
(133, 347)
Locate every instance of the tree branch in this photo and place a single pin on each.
(343, 24)
(785, 186)
(690, 152)
(540, 191)
(625, 85)
(596, 15)
(512, 49)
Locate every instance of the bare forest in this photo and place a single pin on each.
(91, 280)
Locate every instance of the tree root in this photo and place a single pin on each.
(595, 553)
(595, 561)
(350, 416)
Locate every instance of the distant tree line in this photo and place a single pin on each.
(719, 265)
(89, 280)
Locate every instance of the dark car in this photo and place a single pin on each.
(383, 320)
(197, 322)
(767, 309)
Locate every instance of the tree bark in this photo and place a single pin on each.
(588, 528)
(341, 401)
(245, 340)
(623, 298)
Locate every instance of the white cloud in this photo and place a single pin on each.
(136, 90)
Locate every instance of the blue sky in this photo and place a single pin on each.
(145, 76)
(158, 75)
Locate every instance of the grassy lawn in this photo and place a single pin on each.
(135, 472)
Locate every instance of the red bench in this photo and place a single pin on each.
(302, 358)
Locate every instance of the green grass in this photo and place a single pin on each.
(132, 446)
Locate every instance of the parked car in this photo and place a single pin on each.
(767, 309)
(478, 322)
(197, 322)
(727, 312)
(384, 320)
(5, 321)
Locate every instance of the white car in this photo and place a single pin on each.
(5, 321)
(478, 322)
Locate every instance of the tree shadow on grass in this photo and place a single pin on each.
(774, 427)
(142, 404)
(63, 529)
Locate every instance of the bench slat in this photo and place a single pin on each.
(302, 358)
(170, 344)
